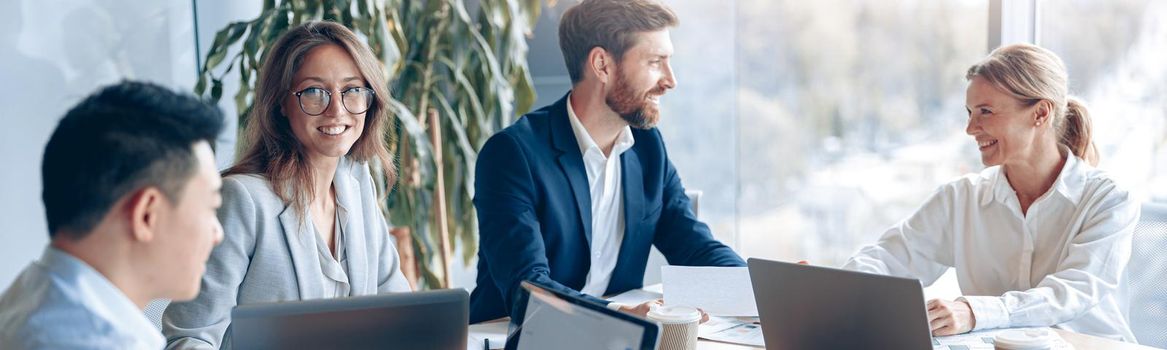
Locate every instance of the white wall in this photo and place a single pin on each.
(55, 52)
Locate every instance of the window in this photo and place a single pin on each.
(845, 115)
(1115, 53)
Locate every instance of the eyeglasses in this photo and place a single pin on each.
(314, 101)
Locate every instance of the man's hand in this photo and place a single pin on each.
(950, 317)
(643, 309)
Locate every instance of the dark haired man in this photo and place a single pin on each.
(573, 195)
(130, 192)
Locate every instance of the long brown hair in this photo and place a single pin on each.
(1033, 74)
(270, 147)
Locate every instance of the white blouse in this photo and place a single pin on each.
(1058, 265)
(334, 270)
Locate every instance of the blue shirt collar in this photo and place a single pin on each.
(100, 296)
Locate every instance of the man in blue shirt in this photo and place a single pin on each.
(130, 192)
(575, 194)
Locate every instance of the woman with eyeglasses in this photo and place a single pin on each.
(301, 214)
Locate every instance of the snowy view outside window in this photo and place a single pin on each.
(844, 116)
(1116, 53)
(813, 126)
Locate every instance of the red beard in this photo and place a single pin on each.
(633, 107)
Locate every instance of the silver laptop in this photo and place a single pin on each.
(555, 320)
(421, 320)
(813, 307)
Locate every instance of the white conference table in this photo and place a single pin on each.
(1078, 340)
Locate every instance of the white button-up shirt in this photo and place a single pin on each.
(60, 302)
(1057, 265)
(607, 195)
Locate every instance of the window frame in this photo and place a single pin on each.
(1014, 21)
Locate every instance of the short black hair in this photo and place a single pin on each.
(124, 137)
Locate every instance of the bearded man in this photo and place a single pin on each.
(575, 194)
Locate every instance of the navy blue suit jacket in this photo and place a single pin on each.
(534, 214)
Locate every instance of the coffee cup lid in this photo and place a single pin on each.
(674, 314)
(1023, 339)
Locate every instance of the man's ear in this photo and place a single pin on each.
(601, 64)
(145, 207)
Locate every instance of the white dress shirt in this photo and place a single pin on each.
(607, 194)
(1057, 265)
(60, 302)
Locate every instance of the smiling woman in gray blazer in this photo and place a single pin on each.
(301, 215)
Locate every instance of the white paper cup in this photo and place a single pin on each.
(1024, 339)
(678, 326)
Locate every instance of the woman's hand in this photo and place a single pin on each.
(950, 317)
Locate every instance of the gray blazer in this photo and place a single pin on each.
(266, 255)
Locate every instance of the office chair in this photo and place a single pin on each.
(655, 258)
(1145, 284)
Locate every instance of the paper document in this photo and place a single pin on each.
(635, 297)
(983, 340)
(730, 330)
(720, 291)
(492, 333)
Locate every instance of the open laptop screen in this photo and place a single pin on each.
(559, 321)
(435, 319)
(815, 307)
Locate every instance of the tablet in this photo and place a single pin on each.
(556, 320)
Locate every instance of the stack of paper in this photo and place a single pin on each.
(719, 291)
(730, 330)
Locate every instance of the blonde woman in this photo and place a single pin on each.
(300, 213)
(1040, 237)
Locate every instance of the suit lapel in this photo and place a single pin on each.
(571, 162)
(573, 168)
(633, 188)
(303, 255)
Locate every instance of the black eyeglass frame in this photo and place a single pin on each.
(328, 99)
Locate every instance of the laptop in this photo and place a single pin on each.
(435, 319)
(814, 307)
(554, 320)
